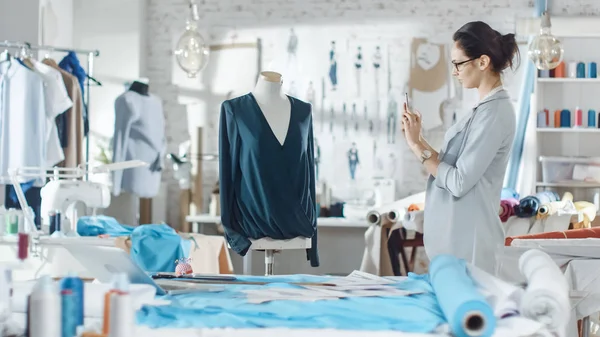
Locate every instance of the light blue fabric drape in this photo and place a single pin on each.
(523, 112)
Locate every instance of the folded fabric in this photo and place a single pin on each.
(507, 208)
(155, 248)
(583, 233)
(556, 207)
(527, 207)
(102, 225)
(504, 297)
(413, 221)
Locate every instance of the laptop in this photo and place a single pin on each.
(103, 262)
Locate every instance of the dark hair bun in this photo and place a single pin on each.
(477, 38)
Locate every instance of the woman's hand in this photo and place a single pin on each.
(411, 122)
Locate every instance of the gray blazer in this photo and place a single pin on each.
(462, 201)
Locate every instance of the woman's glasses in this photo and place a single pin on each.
(457, 64)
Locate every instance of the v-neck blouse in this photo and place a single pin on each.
(267, 189)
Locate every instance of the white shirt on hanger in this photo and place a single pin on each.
(57, 102)
(22, 119)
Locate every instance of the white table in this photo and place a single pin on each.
(198, 222)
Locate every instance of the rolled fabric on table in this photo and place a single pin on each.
(583, 233)
(507, 208)
(527, 207)
(414, 221)
(464, 307)
(555, 207)
(546, 298)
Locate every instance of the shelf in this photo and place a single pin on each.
(573, 184)
(568, 80)
(569, 130)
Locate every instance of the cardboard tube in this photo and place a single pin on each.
(374, 218)
(474, 323)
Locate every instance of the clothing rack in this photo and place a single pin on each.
(26, 46)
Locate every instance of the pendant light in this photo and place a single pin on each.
(191, 51)
(546, 51)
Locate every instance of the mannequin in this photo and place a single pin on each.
(273, 103)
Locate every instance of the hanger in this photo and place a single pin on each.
(24, 57)
(5, 56)
(98, 83)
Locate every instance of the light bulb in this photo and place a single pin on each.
(546, 51)
(192, 51)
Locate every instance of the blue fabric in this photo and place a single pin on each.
(100, 225)
(70, 64)
(458, 296)
(417, 313)
(516, 153)
(267, 189)
(156, 247)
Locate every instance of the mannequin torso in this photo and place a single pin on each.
(273, 103)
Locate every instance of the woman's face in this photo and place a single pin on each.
(465, 69)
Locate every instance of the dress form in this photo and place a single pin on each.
(273, 103)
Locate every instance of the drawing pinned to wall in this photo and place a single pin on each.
(377, 59)
(358, 69)
(428, 81)
(345, 117)
(331, 119)
(317, 157)
(292, 46)
(333, 67)
(392, 119)
(310, 94)
(353, 161)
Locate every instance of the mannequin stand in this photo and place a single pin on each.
(271, 246)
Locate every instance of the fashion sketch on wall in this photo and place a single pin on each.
(292, 46)
(353, 161)
(428, 80)
(358, 63)
(377, 58)
(333, 66)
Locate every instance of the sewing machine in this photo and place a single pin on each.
(62, 196)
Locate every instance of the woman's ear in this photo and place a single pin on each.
(483, 62)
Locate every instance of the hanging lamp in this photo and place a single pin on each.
(192, 52)
(546, 51)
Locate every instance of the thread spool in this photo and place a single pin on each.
(541, 119)
(23, 246)
(547, 112)
(573, 69)
(578, 117)
(557, 119)
(565, 118)
(580, 70)
(591, 118)
(544, 74)
(598, 119)
(592, 72)
(560, 70)
(473, 324)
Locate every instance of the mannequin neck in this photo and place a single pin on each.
(139, 87)
(267, 90)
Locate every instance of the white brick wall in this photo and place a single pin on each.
(436, 19)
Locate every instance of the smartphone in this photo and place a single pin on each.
(406, 100)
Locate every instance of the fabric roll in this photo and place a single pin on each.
(583, 233)
(588, 210)
(527, 207)
(414, 221)
(507, 208)
(546, 298)
(556, 207)
(464, 307)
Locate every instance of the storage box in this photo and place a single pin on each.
(561, 169)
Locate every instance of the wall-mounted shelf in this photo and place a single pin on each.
(569, 130)
(572, 184)
(568, 80)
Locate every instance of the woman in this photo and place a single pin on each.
(466, 176)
